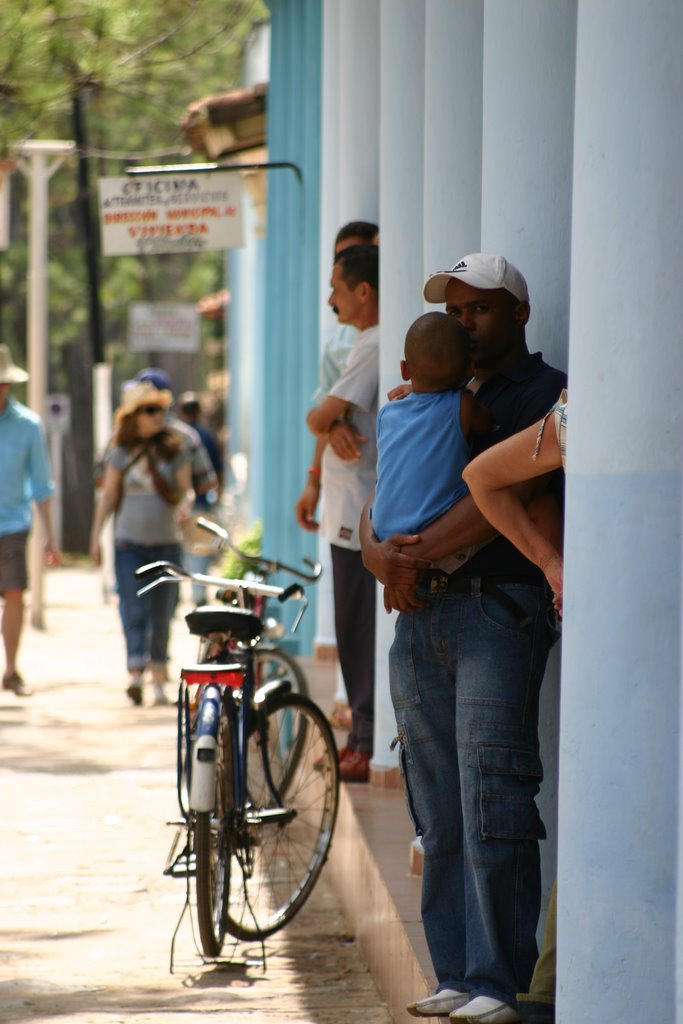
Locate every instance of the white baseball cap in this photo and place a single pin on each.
(481, 270)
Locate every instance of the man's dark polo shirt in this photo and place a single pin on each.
(520, 396)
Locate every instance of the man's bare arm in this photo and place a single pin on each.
(460, 527)
(321, 418)
(307, 502)
(391, 564)
(398, 561)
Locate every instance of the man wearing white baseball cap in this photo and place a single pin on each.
(465, 672)
(480, 270)
(26, 477)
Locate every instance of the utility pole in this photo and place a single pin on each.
(38, 161)
(90, 232)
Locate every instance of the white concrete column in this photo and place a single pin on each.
(528, 84)
(452, 131)
(358, 80)
(329, 225)
(401, 264)
(329, 147)
(244, 360)
(618, 931)
(529, 55)
(349, 177)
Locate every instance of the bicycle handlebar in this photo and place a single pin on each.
(265, 565)
(168, 572)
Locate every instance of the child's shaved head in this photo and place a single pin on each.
(437, 352)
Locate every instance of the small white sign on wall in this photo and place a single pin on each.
(163, 327)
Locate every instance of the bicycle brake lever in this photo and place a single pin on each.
(304, 606)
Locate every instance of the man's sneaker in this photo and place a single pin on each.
(441, 1004)
(355, 767)
(485, 1010)
(16, 684)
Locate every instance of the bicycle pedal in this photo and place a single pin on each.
(182, 867)
(271, 816)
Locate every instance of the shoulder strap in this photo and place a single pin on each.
(163, 488)
(131, 463)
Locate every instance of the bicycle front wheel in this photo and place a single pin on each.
(279, 853)
(212, 849)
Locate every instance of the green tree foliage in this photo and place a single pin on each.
(236, 568)
(135, 68)
(141, 63)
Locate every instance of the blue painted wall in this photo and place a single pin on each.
(291, 277)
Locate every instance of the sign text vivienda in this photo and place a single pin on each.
(145, 215)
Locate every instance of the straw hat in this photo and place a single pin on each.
(9, 373)
(138, 394)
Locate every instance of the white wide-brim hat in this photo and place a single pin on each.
(141, 393)
(9, 373)
(480, 270)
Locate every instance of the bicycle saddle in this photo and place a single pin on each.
(240, 623)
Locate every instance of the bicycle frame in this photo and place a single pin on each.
(242, 705)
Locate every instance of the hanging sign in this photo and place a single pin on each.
(148, 214)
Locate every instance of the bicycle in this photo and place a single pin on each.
(257, 775)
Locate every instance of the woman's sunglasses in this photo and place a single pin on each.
(150, 410)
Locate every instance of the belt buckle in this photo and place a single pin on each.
(438, 584)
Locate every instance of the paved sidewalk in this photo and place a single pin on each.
(86, 916)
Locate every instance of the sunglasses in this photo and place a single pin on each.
(150, 410)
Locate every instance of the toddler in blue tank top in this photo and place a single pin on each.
(423, 439)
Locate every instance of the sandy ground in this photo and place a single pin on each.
(87, 784)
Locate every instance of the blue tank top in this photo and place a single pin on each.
(421, 453)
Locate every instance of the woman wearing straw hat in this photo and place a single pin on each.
(146, 486)
(26, 477)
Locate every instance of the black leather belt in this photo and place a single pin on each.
(439, 582)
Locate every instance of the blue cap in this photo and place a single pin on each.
(159, 378)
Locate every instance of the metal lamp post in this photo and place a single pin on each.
(38, 160)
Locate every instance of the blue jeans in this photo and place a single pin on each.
(200, 564)
(146, 620)
(465, 678)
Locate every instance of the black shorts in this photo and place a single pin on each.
(13, 574)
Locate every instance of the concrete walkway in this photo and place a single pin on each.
(86, 915)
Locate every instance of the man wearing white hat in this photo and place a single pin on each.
(465, 672)
(26, 477)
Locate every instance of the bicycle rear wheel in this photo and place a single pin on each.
(278, 854)
(212, 850)
(274, 663)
